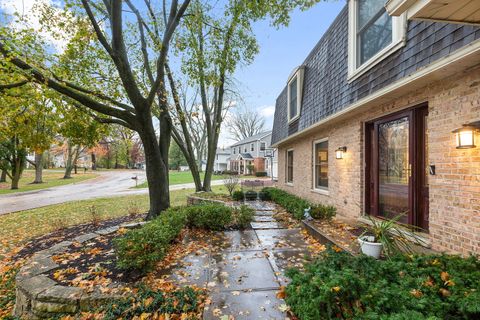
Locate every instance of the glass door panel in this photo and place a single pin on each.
(394, 168)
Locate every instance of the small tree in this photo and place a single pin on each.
(231, 182)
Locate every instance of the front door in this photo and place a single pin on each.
(396, 167)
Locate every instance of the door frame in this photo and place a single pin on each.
(417, 191)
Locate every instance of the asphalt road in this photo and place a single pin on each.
(107, 184)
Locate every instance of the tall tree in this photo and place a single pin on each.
(212, 47)
(100, 71)
(245, 123)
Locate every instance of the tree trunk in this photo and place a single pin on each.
(17, 171)
(157, 175)
(69, 163)
(3, 176)
(94, 161)
(38, 167)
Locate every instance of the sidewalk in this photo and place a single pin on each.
(244, 270)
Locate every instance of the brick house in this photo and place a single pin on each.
(254, 154)
(379, 118)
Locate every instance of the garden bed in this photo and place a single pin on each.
(336, 232)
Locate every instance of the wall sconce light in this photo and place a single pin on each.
(339, 152)
(465, 136)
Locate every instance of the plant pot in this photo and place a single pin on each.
(370, 248)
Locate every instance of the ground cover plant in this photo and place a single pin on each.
(340, 286)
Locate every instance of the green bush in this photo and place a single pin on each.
(141, 248)
(264, 196)
(260, 174)
(237, 195)
(291, 203)
(321, 211)
(209, 216)
(338, 285)
(251, 195)
(243, 216)
(179, 302)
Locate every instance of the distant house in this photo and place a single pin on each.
(253, 155)
(382, 117)
(222, 157)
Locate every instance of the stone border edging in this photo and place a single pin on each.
(38, 296)
(322, 237)
(193, 200)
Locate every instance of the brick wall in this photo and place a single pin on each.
(454, 190)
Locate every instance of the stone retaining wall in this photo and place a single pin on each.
(193, 200)
(39, 297)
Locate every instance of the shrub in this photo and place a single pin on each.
(320, 211)
(251, 195)
(260, 174)
(231, 182)
(178, 302)
(338, 285)
(209, 216)
(243, 216)
(263, 196)
(141, 248)
(237, 195)
(291, 203)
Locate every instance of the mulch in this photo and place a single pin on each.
(48, 240)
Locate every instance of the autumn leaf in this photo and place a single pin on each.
(283, 308)
(281, 293)
(336, 289)
(444, 276)
(416, 293)
(444, 292)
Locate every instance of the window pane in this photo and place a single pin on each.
(375, 37)
(321, 165)
(293, 98)
(367, 9)
(290, 166)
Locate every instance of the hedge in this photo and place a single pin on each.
(141, 248)
(340, 286)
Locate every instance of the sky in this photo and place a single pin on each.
(281, 50)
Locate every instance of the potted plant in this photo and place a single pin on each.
(384, 236)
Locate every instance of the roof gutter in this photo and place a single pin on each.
(466, 57)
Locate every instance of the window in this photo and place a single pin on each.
(321, 165)
(289, 175)
(234, 150)
(262, 146)
(252, 148)
(294, 93)
(373, 34)
(245, 149)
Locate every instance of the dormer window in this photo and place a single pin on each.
(373, 35)
(294, 93)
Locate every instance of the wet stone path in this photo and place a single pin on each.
(244, 270)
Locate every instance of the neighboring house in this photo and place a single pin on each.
(380, 118)
(253, 155)
(222, 157)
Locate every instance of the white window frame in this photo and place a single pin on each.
(252, 147)
(298, 74)
(399, 31)
(322, 190)
(290, 183)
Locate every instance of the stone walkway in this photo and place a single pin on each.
(244, 269)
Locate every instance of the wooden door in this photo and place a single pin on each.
(396, 180)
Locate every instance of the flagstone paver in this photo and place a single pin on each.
(243, 270)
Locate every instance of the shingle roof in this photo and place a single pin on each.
(258, 136)
(326, 89)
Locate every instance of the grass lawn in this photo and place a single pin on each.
(19, 227)
(181, 177)
(51, 178)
